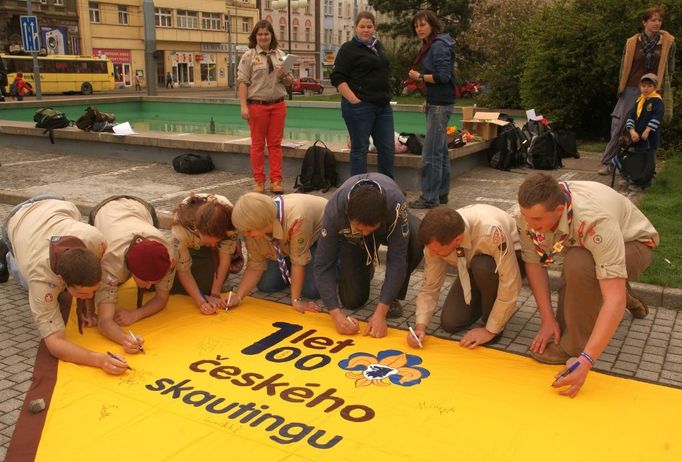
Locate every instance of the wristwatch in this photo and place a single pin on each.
(421, 76)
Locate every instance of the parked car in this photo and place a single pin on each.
(307, 85)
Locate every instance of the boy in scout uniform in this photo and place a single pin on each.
(281, 235)
(135, 247)
(50, 251)
(368, 210)
(605, 241)
(482, 242)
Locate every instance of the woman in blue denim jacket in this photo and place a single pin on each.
(434, 67)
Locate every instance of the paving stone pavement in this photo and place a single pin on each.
(647, 349)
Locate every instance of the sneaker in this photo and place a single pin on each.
(553, 354)
(443, 199)
(606, 169)
(395, 310)
(4, 270)
(636, 305)
(276, 188)
(259, 188)
(421, 204)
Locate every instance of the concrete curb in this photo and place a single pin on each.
(653, 295)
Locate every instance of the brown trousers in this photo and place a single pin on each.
(580, 297)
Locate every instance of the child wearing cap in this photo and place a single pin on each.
(643, 125)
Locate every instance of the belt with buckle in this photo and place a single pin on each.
(265, 102)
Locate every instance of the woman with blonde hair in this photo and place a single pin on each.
(208, 249)
(281, 235)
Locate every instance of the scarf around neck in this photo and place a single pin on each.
(642, 99)
(372, 44)
(425, 49)
(648, 47)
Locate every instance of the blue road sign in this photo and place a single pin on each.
(30, 36)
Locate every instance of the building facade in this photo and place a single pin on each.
(304, 40)
(57, 24)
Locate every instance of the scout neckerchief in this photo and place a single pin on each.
(266, 54)
(371, 44)
(642, 99)
(548, 258)
(283, 268)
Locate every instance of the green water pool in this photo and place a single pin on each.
(302, 123)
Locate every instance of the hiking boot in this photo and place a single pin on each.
(623, 184)
(443, 199)
(636, 305)
(4, 270)
(259, 188)
(395, 310)
(276, 188)
(606, 169)
(421, 204)
(553, 354)
(635, 188)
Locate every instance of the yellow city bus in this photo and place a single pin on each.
(63, 73)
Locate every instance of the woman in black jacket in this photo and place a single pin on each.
(361, 75)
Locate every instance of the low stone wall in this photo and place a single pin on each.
(229, 153)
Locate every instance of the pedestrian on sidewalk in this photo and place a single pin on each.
(262, 87)
(138, 82)
(651, 50)
(606, 242)
(482, 242)
(169, 80)
(433, 66)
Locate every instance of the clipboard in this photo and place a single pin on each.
(288, 63)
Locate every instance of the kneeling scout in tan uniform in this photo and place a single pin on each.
(135, 247)
(605, 241)
(483, 243)
(51, 250)
(281, 239)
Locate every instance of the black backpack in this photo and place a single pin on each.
(193, 163)
(543, 152)
(91, 116)
(49, 119)
(414, 143)
(318, 170)
(508, 149)
(543, 149)
(568, 146)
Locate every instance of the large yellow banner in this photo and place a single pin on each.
(263, 382)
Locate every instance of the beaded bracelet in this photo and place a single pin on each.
(588, 357)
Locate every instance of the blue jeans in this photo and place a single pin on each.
(435, 158)
(365, 119)
(271, 280)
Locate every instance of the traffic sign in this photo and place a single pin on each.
(30, 35)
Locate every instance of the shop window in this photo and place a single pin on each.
(208, 72)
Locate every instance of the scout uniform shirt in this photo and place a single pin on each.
(120, 221)
(186, 238)
(489, 231)
(30, 231)
(254, 72)
(603, 221)
(298, 231)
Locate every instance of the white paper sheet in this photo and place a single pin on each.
(123, 129)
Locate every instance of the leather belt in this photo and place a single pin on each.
(265, 102)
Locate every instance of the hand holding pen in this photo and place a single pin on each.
(114, 364)
(208, 305)
(573, 376)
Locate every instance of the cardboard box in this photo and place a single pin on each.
(483, 124)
